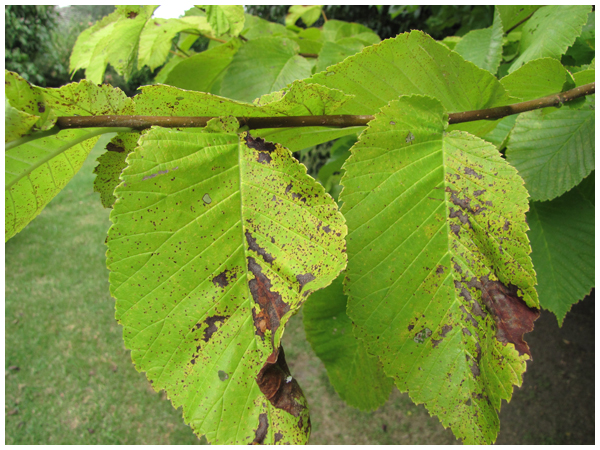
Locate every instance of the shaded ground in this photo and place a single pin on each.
(68, 379)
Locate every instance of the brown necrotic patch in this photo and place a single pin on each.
(272, 306)
(224, 278)
(263, 147)
(211, 328)
(511, 314)
(261, 432)
(303, 279)
(252, 245)
(278, 386)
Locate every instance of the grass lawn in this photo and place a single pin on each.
(69, 379)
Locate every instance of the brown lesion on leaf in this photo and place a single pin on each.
(303, 279)
(41, 107)
(263, 147)
(272, 306)
(263, 427)
(114, 148)
(252, 245)
(132, 15)
(211, 323)
(224, 278)
(278, 436)
(279, 387)
(511, 314)
(470, 171)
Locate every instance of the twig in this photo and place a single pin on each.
(333, 121)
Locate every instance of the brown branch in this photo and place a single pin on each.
(517, 108)
(309, 55)
(333, 121)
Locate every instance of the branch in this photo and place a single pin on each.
(337, 121)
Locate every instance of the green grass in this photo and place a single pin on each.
(76, 383)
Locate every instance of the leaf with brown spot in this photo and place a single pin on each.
(411, 209)
(204, 289)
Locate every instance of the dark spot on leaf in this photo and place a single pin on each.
(466, 332)
(445, 330)
(41, 107)
(222, 280)
(114, 148)
(512, 315)
(160, 172)
(455, 229)
(223, 375)
(288, 188)
(206, 199)
(410, 327)
(252, 245)
(259, 144)
(212, 327)
(479, 192)
(264, 158)
(261, 431)
(272, 383)
(439, 270)
(326, 229)
(278, 436)
(272, 306)
(462, 217)
(132, 15)
(506, 226)
(303, 279)
(470, 171)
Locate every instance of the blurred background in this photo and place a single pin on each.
(68, 377)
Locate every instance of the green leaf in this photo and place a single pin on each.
(432, 219)
(111, 165)
(225, 19)
(309, 137)
(261, 66)
(483, 47)
(499, 135)
(25, 107)
(512, 15)
(331, 173)
(204, 71)
(332, 53)
(309, 14)
(38, 170)
(562, 239)
(552, 151)
(255, 28)
(550, 31)
(114, 40)
(336, 30)
(537, 79)
(156, 38)
(207, 270)
(357, 377)
(408, 64)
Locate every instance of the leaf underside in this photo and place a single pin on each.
(436, 223)
(216, 241)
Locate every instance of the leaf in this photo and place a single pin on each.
(261, 66)
(204, 71)
(549, 32)
(38, 170)
(336, 30)
(225, 19)
(432, 219)
(407, 64)
(25, 108)
(207, 270)
(499, 135)
(357, 377)
(309, 137)
(114, 40)
(483, 47)
(562, 239)
(111, 165)
(333, 53)
(537, 79)
(552, 151)
(512, 15)
(156, 38)
(331, 172)
(309, 14)
(255, 28)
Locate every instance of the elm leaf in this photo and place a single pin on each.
(550, 31)
(217, 239)
(356, 375)
(483, 47)
(433, 219)
(553, 151)
(562, 239)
